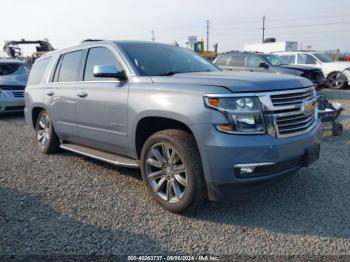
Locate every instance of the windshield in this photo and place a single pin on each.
(162, 60)
(13, 69)
(323, 57)
(276, 60)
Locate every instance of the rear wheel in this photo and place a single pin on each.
(172, 171)
(47, 139)
(337, 80)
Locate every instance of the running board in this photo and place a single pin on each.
(101, 155)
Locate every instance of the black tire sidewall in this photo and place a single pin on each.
(188, 196)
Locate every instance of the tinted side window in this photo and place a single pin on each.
(254, 61)
(70, 67)
(289, 58)
(38, 71)
(223, 60)
(99, 56)
(306, 59)
(238, 60)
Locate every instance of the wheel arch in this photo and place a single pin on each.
(148, 125)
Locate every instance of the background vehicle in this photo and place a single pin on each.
(175, 115)
(13, 79)
(14, 51)
(271, 46)
(336, 73)
(267, 63)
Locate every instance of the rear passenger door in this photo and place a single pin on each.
(61, 94)
(102, 104)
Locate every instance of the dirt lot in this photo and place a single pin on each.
(67, 204)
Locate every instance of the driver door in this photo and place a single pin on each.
(102, 105)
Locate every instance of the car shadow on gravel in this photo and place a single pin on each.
(301, 204)
(28, 226)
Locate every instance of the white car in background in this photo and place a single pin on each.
(336, 73)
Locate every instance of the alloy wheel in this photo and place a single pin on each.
(336, 80)
(166, 172)
(43, 130)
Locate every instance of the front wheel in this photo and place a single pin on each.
(172, 170)
(47, 139)
(337, 80)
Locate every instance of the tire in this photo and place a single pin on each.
(47, 140)
(337, 129)
(177, 182)
(336, 80)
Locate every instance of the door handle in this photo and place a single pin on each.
(50, 93)
(82, 94)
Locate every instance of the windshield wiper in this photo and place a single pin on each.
(170, 73)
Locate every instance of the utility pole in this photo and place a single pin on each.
(207, 35)
(263, 29)
(153, 38)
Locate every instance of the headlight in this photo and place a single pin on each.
(243, 113)
(347, 69)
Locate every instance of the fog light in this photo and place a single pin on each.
(247, 170)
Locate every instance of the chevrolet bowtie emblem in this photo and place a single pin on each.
(308, 107)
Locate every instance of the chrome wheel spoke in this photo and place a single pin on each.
(168, 190)
(156, 174)
(179, 169)
(44, 141)
(155, 163)
(158, 155)
(166, 152)
(160, 184)
(181, 180)
(42, 124)
(176, 189)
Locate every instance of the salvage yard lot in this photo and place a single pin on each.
(68, 204)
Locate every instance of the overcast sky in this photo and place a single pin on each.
(322, 24)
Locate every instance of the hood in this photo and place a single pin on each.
(11, 80)
(301, 67)
(237, 81)
(339, 66)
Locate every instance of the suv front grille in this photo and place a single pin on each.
(291, 112)
(18, 94)
(292, 98)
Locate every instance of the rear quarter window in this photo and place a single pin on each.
(69, 69)
(238, 60)
(38, 71)
(223, 60)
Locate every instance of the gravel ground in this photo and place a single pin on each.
(67, 204)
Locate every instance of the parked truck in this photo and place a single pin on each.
(272, 47)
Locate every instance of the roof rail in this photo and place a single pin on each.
(91, 40)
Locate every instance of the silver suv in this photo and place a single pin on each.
(13, 79)
(194, 131)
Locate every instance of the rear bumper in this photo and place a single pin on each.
(222, 153)
(8, 105)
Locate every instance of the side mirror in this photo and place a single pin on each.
(109, 71)
(264, 65)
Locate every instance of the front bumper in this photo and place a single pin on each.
(221, 153)
(9, 104)
(347, 74)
